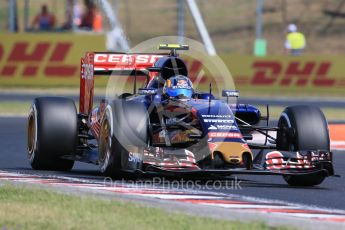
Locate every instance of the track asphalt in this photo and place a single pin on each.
(330, 194)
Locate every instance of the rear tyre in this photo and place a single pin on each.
(52, 133)
(303, 128)
(123, 137)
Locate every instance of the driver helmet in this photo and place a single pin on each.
(179, 87)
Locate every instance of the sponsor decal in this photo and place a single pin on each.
(181, 84)
(31, 55)
(125, 59)
(171, 121)
(147, 91)
(41, 59)
(135, 157)
(216, 116)
(218, 121)
(275, 161)
(294, 73)
(212, 127)
(227, 127)
(224, 135)
(222, 127)
(87, 72)
(181, 87)
(286, 72)
(230, 93)
(305, 72)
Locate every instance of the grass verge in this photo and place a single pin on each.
(32, 208)
(14, 108)
(331, 114)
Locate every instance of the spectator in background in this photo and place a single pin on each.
(44, 20)
(295, 41)
(92, 18)
(97, 24)
(88, 17)
(77, 14)
(73, 16)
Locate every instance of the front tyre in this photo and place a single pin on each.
(109, 156)
(303, 128)
(123, 137)
(304, 180)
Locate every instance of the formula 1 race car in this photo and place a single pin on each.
(169, 128)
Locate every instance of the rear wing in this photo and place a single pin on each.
(111, 64)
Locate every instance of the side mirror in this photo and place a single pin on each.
(147, 91)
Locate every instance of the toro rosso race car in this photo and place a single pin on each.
(170, 128)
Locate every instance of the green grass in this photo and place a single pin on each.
(28, 208)
(330, 113)
(14, 108)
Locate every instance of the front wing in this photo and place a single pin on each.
(265, 163)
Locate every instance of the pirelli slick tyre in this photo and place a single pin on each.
(303, 128)
(123, 137)
(52, 133)
(304, 180)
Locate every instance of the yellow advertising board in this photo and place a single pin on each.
(284, 74)
(44, 59)
(49, 59)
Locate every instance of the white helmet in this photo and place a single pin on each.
(292, 28)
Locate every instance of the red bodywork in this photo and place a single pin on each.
(109, 64)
